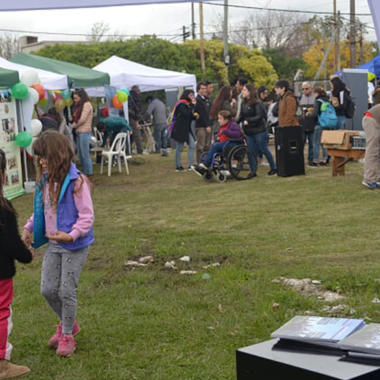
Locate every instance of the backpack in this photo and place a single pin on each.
(327, 118)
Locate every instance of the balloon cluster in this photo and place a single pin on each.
(120, 97)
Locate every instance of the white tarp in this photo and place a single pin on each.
(25, 5)
(125, 74)
(50, 81)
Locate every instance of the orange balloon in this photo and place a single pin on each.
(40, 89)
(116, 102)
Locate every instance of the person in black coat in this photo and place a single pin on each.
(254, 118)
(11, 248)
(340, 99)
(182, 133)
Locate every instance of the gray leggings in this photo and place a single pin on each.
(59, 282)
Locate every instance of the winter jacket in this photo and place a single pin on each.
(11, 246)
(306, 121)
(202, 107)
(344, 98)
(158, 110)
(67, 214)
(287, 110)
(256, 117)
(183, 116)
(230, 131)
(134, 107)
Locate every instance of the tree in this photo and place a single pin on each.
(98, 30)
(313, 57)
(9, 46)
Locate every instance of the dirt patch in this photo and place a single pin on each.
(310, 288)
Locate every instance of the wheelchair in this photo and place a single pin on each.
(231, 163)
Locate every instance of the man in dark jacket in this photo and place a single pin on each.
(134, 114)
(308, 123)
(202, 124)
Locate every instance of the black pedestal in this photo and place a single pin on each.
(289, 151)
(261, 362)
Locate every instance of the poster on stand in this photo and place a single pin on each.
(8, 132)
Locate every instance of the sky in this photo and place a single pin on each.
(160, 19)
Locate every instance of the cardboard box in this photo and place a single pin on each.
(337, 139)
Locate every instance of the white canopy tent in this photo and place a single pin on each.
(125, 74)
(50, 81)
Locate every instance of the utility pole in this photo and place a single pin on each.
(185, 34)
(192, 21)
(225, 34)
(336, 40)
(361, 44)
(352, 34)
(202, 37)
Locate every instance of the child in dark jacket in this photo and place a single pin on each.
(11, 248)
(227, 133)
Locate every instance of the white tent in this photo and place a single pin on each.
(50, 81)
(125, 74)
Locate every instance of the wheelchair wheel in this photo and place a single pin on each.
(238, 164)
(221, 177)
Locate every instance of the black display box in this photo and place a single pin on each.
(263, 362)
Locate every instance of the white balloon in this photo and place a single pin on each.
(36, 127)
(30, 77)
(34, 94)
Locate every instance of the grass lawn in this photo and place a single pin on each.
(153, 323)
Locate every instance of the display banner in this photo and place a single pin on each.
(8, 132)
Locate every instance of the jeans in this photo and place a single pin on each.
(160, 133)
(190, 155)
(341, 121)
(217, 147)
(257, 143)
(83, 146)
(317, 144)
(309, 135)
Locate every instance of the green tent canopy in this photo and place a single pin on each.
(78, 76)
(8, 78)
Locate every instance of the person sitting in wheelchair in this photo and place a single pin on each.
(228, 133)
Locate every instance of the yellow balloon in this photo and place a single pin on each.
(68, 102)
(59, 105)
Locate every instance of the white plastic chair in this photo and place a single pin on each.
(97, 148)
(117, 149)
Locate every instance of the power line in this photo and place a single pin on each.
(282, 10)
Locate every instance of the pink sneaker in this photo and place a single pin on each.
(66, 345)
(53, 341)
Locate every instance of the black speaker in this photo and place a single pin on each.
(289, 151)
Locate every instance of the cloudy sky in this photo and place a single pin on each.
(162, 19)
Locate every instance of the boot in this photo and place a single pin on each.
(9, 370)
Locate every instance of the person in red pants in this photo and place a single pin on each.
(11, 248)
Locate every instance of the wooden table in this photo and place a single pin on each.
(340, 157)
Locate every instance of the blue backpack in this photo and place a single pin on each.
(327, 118)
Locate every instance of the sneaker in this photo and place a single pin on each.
(198, 170)
(203, 166)
(66, 345)
(272, 172)
(371, 185)
(164, 153)
(53, 341)
(313, 164)
(180, 169)
(251, 175)
(263, 163)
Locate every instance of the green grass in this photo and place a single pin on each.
(155, 324)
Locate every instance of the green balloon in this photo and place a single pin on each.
(122, 96)
(20, 91)
(24, 139)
